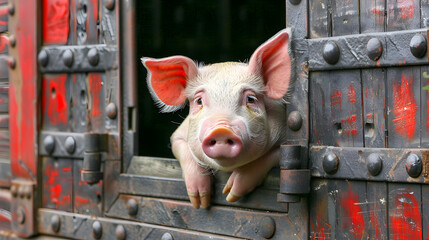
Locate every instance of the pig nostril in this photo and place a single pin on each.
(230, 142)
(213, 142)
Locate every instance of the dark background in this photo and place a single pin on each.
(206, 31)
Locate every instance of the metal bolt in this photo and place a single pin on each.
(132, 207)
(294, 121)
(267, 227)
(374, 49)
(12, 63)
(93, 56)
(12, 40)
(331, 52)
(374, 164)
(11, 9)
(111, 110)
(68, 58)
(49, 144)
(330, 163)
(295, 2)
(55, 223)
(28, 191)
(43, 58)
(70, 144)
(14, 190)
(413, 165)
(20, 215)
(97, 230)
(167, 236)
(21, 191)
(120, 232)
(418, 45)
(110, 4)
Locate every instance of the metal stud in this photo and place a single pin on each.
(21, 191)
(68, 58)
(295, 2)
(132, 207)
(111, 110)
(14, 190)
(70, 144)
(55, 223)
(120, 232)
(413, 165)
(374, 164)
(97, 230)
(330, 163)
(167, 236)
(11, 9)
(374, 49)
(418, 45)
(20, 215)
(49, 144)
(12, 40)
(110, 4)
(43, 58)
(331, 52)
(266, 228)
(11, 61)
(294, 121)
(93, 56)
(28, 192)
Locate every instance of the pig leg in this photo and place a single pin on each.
(245, 178)
(198, 181)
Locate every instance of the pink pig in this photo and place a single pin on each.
(236, 120)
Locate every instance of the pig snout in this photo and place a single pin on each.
(221, 142)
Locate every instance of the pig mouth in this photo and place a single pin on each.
(221, 142)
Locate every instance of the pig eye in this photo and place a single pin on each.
(251, 99)
(199, 101)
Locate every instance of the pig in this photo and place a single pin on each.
(237, 115)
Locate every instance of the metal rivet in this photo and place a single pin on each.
(43, 58)
(68, 58)
(374, 49)
(120, 232)
(12, 63)
(97, 229)
(12, 40)
(331, 52)
(110, 4)
(93, 57)
(21, 191)
(374, 164)
(70, 144)
(132, 207)
(20, 215)
(49, 144)
(14, 190)
(28, 191)
(267, 227)
(11, 9)
(294, 121)
(111, 110)
(413, 165)
(55, 223)
(418, 45)
(330, 163)
(295, 2)
(167, 236)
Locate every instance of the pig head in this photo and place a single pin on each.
(236, 119)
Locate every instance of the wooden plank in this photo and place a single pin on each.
(372, 16)
(424, 11)
(424, 110)
(377, 203)
(345, 17)
(4, 144)
(403, 93)
(322, 210)
(87, 198)
(320, 19)
(5, 214)
(4, 121)
(58, 184)
(425, 210)
(402, 15)
(404, 211)
(4, 98)
(5, 176)
(373, 84)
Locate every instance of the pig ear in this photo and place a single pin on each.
(167, 79)
(272, 61)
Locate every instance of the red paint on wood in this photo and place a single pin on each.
(92, 33)
(95, 90)
(379, 12)
(353, 219)
(54, 103)
(23, 103)
(404, 108)
(405, 218)
(405, 9)
(349, 125)
(56, 25)
(336, 98)
(67, 169)
(352, 94)
(81, 200)
(55, 188)
(374, 211)
(4, 41)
